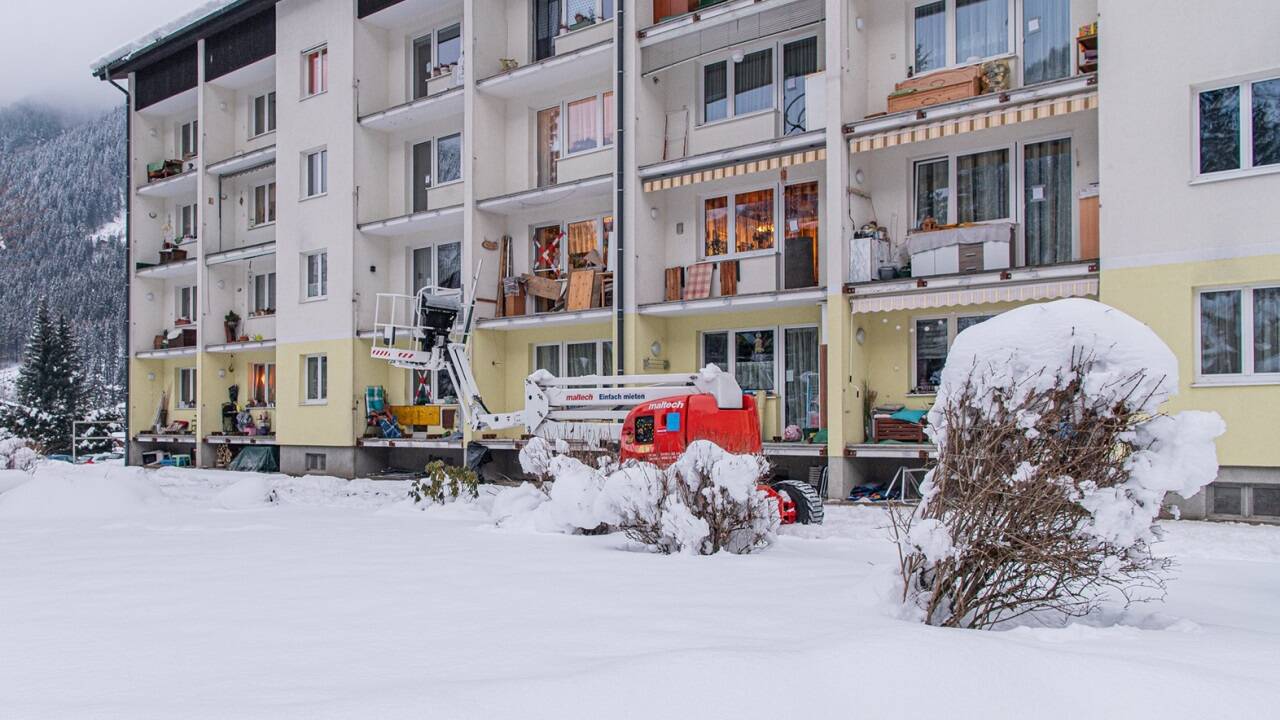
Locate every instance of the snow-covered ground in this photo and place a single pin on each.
(134, 594)
(8, 381)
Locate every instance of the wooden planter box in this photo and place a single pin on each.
(934, 88)
(172, 256)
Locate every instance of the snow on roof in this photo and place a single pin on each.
(129, 50)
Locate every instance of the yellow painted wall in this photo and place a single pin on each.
(1163, 297)
(144, 393)
(213, 389)
(330, 424)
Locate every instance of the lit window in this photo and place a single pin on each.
(263, 382)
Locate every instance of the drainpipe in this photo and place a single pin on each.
(620, 180)
(128, 254)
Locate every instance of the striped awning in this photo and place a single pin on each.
(1024, 292)
(973, 122)
(742, 168)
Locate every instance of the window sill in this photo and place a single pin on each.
(304, 98)
(262, 225)
(1234, 174)
(1240, 381)
(444, 184)
(584, 153)
(964, 64)
(584, 28)
(268, 316)
(734, 118)
(305, 198)
(261, 135)
(317, 298)
(314, 403)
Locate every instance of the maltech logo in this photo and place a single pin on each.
(668, 405)
(580, 397)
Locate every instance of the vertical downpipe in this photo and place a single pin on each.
(128, 254)
(620, 181)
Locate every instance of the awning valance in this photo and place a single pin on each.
(742, 168)
(1024, 292)
(973, 122)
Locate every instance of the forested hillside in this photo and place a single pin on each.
(62, 235)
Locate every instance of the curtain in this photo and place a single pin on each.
(715, 226)
(799, 59)
(715, 92)
(1046, 40)
(982, 186)
(1220, 129)
(753, 220)
(931, 36)
(546, 24)
(449, 158)
(932, 190)
(582, 240)
(753, 360)
(547, 357)
(548, 145)
(803, 384)
(582, 359)
(1220, 332)
(1266, 330)
(931, 353)
(800, 232)
(982, 29)
(609, 119)
(582, 125)
(753, 82)
(1047, 201)
(449, 265)
(1266, 122)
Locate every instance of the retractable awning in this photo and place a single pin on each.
(743, 168)
(974, 115)
(952, 297)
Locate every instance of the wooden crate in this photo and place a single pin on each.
(938, 87)
(887, 428)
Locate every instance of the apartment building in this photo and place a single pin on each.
(816, 195)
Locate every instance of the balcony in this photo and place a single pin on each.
(170, 178)
(581, 67)
(687, 29)
(180, 340)
(175, 261)
(443, 101)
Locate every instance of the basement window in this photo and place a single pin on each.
(315, 462)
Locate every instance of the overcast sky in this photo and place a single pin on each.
(46, 47)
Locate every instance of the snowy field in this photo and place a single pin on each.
(181, 594)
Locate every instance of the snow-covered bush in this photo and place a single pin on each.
(17, 454)
(444, 483)
(707, 501)
(1052, 465)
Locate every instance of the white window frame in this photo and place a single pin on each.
(778, 209)
(1247, 168)
(255, 299)
(269, 212)
(434, 247)
(323, 51)
(268, 112)
(1013, 155)
(563, 354)
(411, 171)
(565, 20)
(434, 34)
(727, 58)
(270, 375)
(953, 320)
(563, 140)
(779, 352)
(320, 363)
(188, 218)
(323, 271)
(950, 61)
(322, 162)
(564, 244)
(315, 462)
(1246, 376)
(187, 389)
(188, 131)
(185, 295)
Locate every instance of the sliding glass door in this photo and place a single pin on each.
(1046, 40)
(802, 378)
(1047, 201)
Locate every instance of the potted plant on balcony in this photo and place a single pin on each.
(581, 20)
(232, 325)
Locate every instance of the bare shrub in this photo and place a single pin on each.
(444, 483)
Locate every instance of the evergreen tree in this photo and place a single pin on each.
(37, 360)
(50, 385)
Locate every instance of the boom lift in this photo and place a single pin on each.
(652, 418)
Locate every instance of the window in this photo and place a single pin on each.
(799, 58)
(264, 205)
(189, 140)
(317, 273)
(748, 354)
(447, 42)
(802, 378)
(433, 387)
(437, 266)
(578, 359)
(449, 158)
(581, 13)
(262, 116)
(978, 29)
(560, 248)
(186, 388)
(590, 123)
(609, 124)
(1047, 47)
(187, 221)
(801, 220)
(317, 378)
(978, 191)
(548, 145)
(752, 80)
(1239, 334)
(185, 305)
(262, 378)
(264, 294)
(316, 182)
(1238, 127)
(1244, 501)
(932, 340)
(421, 174)
(1047, 201)
(449, 46)
(422, 66)
(715, 91)
(752, 223)
(315, 462)
(315, 71)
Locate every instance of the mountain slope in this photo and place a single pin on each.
(61, 202)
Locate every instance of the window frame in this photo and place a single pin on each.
(779, 218)
(186, 397)
(599, 17)
(777, 45)
(565, 265)
(322, 153)
(188, 131)
(323, 272)
(950, 61)
(562, 354)
(434, 34)
(321, 361)
(1246, 376)
(254, 298)
(953, 320)
(269, 374)
(269, 195)
(322, 50)
(434, 247)
(182, 213)
(562, 142)
(185, 295)
(269, 114)
(779, 354)
(1245, 84)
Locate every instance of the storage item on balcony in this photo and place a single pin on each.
(421, 415)
(961, 249)
(1087, 48)
(729, 278)
(936, 87)
(581, 283)
(1089, 206)
(512, 297)
(163, 169)
(698, 281)
(674, 284)
(799, 264)
(663, 9)
(172, 255)
(899, 426)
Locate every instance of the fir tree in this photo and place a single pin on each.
(49, 386)
(37, 360)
